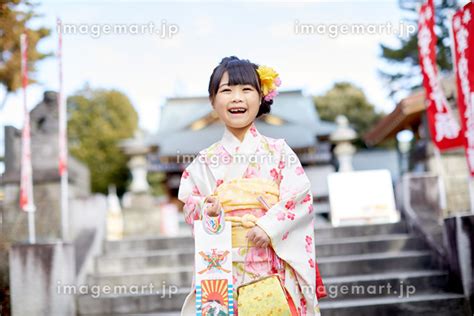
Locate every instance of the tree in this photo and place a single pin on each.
(401, 69)
(346, 99)
(98, 120)
(13, 22)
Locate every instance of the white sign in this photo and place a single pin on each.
(362, 197)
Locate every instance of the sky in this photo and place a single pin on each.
(148, 68)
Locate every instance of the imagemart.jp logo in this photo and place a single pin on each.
(96, 30)
(334, 30)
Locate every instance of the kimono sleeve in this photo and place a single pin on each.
(189, 193)
(290, 222)
(295, 204)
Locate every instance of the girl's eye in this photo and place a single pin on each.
(225, 90)
(248, 89)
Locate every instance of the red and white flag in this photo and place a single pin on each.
(26, 186)
(463, 40)
(445, 129)
(61, 108)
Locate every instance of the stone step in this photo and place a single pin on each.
(360, 230)
(127, 304)
(338, 288)
(440, 303)
(433, 304)
(375, 263)
(179, 257)
(329, 267)
(368, 244)
(157, 277)
(130, 245)
(405, 283)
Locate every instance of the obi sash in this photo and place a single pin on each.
(244, 193)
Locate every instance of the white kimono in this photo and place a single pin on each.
(289, 223)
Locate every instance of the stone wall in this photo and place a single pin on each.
(455, 175)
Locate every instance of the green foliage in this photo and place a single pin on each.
(346, 99)
(15, 16)
(156, 181)
(98, 120)
(401, 70)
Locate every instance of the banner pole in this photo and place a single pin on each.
(31, 228)
(442, 188)
(26, 181)
(471, 178)
(63, 152)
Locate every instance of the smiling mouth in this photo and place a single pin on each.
(237, 110)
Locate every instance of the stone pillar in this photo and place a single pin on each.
(42, 279)
(342, 137)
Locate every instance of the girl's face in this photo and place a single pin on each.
(237, 106)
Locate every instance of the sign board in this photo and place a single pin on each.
(362, 197)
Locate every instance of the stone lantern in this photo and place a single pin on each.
(343, 137)
(137, 150)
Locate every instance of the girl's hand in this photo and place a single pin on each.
(212, 207)
(259, 237)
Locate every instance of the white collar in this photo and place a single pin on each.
(231, 143)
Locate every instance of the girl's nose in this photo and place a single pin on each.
(237, 95)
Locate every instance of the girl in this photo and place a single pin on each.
(258, 184)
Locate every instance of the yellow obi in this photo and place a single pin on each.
(242, 193)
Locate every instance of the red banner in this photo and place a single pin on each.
(445, 129)
(26, 185)
(463, 40)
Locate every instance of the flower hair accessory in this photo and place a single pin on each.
(269, 82)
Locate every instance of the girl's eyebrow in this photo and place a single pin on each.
(224, 84)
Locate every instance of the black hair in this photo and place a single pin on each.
(241, 71)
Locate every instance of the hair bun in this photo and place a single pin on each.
(226, 60)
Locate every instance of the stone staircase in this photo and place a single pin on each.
(368, 270)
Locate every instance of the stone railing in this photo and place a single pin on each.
(422, 200)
